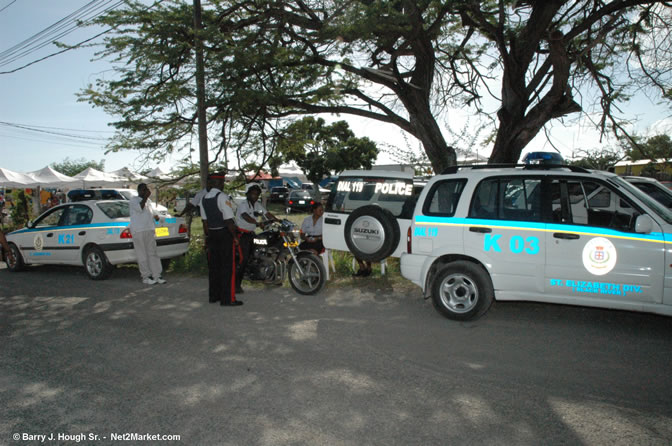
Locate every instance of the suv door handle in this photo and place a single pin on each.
(51, 234)
(566, 236)
(81, 233)
(481, 230)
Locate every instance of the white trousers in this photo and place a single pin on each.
(145, 251)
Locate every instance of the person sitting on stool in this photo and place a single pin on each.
(311, 230)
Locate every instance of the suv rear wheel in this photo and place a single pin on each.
(462, 290)
(371, 233)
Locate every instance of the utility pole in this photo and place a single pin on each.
(200, 95)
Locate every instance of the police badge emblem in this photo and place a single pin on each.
(599, 256)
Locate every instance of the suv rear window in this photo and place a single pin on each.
(351, 193)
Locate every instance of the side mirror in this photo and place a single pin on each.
(30, 224)
(643, 224)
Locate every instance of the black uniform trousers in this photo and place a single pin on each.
(220, 265)
(246, 241)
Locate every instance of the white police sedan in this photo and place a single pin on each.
(94, 234)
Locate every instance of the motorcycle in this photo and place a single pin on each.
(276, 255)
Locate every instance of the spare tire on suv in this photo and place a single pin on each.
(372, 233)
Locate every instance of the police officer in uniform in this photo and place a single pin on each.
(246, 220)
(217, 214)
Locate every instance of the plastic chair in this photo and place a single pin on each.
(328, 260)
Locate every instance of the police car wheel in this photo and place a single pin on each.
(96, 264)
(371, 233)
(17, 264)
(462, 290)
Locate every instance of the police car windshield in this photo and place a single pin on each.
(654, 205)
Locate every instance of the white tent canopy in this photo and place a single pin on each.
(158, 173)
(91, 177)
(9, 178)
(128, 175)
(50, 178)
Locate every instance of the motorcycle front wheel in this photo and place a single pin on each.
(313, 278)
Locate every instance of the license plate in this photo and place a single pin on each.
(302, 201)
(161, 232)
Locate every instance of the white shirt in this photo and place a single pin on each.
(196, 201)
(245, 208)
(223, 203)
(310, 229)
(141, 219)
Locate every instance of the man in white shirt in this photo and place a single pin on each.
(311, 230)
(217, 215)
(246, 220)
(142, 229)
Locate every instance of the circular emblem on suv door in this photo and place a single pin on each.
(599, 256)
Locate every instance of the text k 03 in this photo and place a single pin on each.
(517, 244)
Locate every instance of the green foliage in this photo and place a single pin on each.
(73, 167)
(658, 147)
(321, 150)
(22, 211)
(603, 159)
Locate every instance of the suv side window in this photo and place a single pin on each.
(508, 199)
(591, 203)
(443, 198)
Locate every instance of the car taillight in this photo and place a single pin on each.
(291, 202)
(312, 202)
(126, 233)
(183, 229)
(409, 240)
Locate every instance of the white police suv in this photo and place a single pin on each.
(94, 234)
(539, 233)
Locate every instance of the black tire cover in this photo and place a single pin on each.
(372, 233)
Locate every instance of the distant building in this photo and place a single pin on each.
(663, 167)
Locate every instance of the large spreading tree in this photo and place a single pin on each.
(401, 62)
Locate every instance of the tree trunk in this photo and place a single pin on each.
(518, 123)
(424, 127)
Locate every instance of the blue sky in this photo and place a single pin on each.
(43, 95)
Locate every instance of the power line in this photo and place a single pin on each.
(10, 4)
(56, 53)
(55, 133)
(56, 128)
(71, 18)
(63, 27)
(57, 141)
